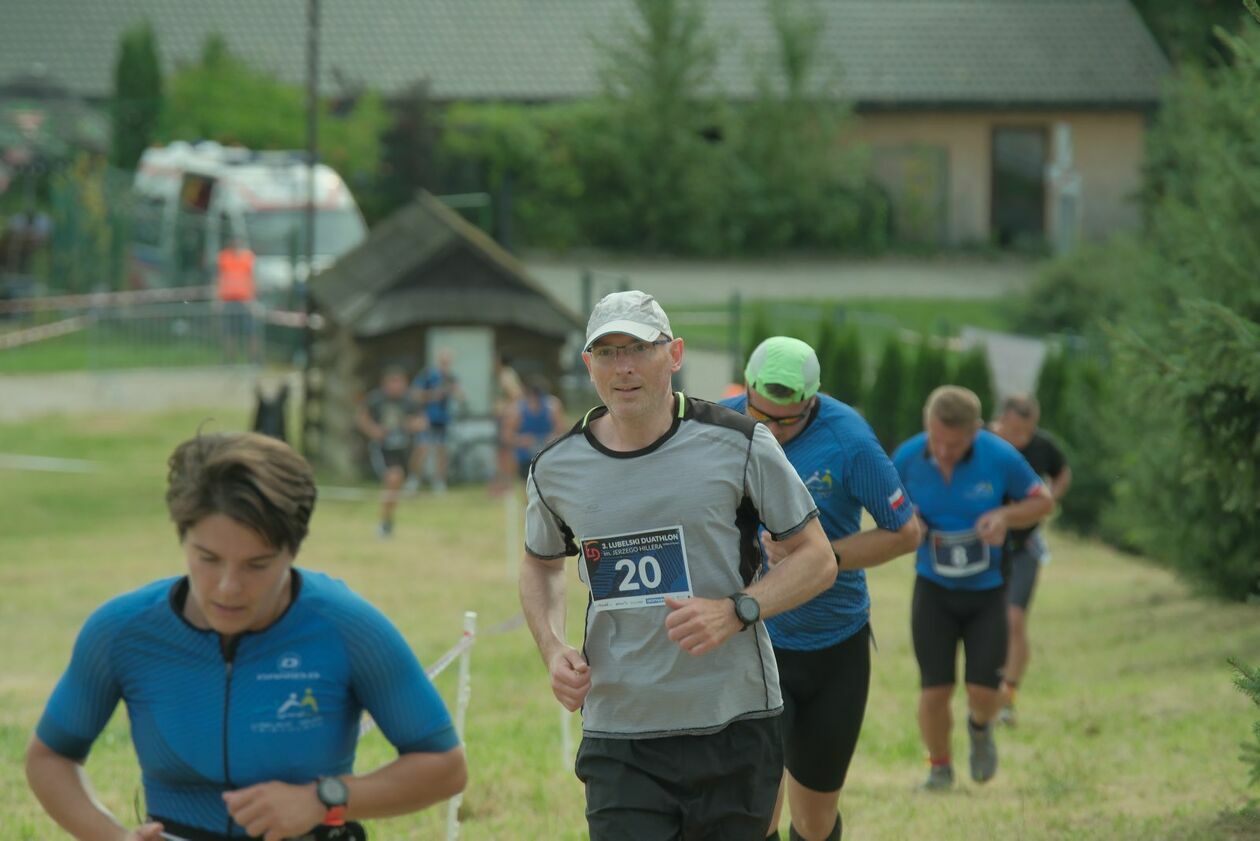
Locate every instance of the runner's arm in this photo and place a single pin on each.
(808, 568)
(876, 546)
(63, 789)
(542, 591)
(410, 783)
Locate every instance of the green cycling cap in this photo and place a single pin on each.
(787, 363)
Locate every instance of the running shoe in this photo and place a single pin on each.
(939, 778)
(984, 759)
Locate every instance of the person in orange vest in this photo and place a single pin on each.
(236, 297)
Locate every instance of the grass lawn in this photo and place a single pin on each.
(1130, 726)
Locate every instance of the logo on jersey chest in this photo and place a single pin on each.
(294, 712)
(820, 483)
(980, 490)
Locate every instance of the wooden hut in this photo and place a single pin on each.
(424, 280)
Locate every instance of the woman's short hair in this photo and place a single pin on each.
(259, 482)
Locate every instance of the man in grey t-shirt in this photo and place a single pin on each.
(661, 496)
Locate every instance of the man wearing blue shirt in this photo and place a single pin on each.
(435, 388)
(969, 487)
(823, 646)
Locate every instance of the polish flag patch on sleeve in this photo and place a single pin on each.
(897, 499)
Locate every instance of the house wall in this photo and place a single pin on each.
(1107, 152)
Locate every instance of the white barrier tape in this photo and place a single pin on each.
(290, 318)
(449, 657)
(12, 461)
(30, 335)
(99, 300)
(452, 654)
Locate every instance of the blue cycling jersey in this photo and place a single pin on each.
(846, 470)
(284, 705)
(991, 474)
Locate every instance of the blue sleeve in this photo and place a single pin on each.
(389, 682)
(87, 693)
(873, 480)
(1021, 480)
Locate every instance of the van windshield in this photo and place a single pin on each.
(282, 233)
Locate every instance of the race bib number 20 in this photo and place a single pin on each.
(636, 570)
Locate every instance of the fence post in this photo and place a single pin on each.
(461, 709)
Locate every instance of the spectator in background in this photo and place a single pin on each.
(508, 390)
(536, 418)
(435, 388)
(391, 419)
(236, 296)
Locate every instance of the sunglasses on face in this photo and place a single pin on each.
(782, 420)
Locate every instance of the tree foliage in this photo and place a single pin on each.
(887, 396)
(662, 162)
(222, 98)
(843, 368)
(1175, 379)
(973, 372)
(137, 103)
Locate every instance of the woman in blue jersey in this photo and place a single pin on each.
(245, 678)
(535, 419)
(823, 646)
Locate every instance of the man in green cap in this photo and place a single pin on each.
(823, 646)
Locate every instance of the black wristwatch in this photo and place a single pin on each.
(747, 610)
(332, 792)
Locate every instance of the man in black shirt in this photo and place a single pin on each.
(390, 419)
(1026, 548)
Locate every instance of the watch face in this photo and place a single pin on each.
(747, 609)
(332, 792)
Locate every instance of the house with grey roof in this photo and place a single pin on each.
(990, 120)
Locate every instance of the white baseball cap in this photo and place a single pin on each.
(634, 313)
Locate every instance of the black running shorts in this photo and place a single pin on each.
(940, 617)
(718, 787)
(1023, 565)
(824, 700)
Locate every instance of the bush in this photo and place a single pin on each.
(1176, 314)
(1074, 408)
(661, 162)
(843, 368)
(973, 372)
(887, 396)
(1187, 359)
(929, 370)
(1193, 494)
(1248, 681)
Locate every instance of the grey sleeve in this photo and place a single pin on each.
(546, 535)
(775, 488)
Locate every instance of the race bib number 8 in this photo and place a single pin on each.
(958, 554)
(636, 570)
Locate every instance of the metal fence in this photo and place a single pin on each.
(156, 328)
